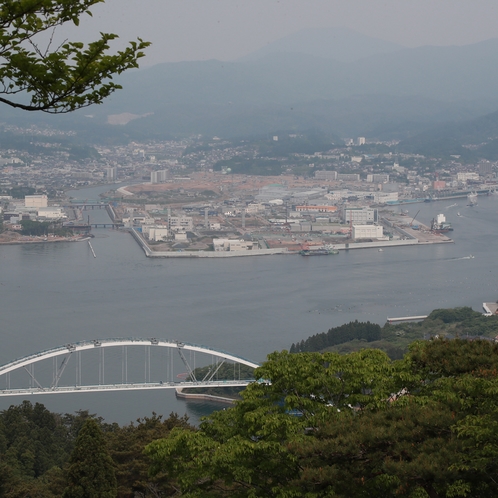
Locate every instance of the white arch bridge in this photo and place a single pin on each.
(122, 364)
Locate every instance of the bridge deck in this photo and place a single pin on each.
(124, 387)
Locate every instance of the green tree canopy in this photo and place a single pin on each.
(356, 425)
(126, 447)
(57, 79)
(91, 469)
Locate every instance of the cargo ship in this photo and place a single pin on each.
(318, 252)
(440, 225)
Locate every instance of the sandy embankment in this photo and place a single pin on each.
(16, 238)
(123, 191)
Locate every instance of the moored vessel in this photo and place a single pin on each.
(318, 252)
(472, 199)
(440, 225)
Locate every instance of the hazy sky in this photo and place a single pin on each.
(227, 29)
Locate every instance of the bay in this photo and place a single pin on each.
(54, 294)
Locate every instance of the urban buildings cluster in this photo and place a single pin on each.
(190, 192)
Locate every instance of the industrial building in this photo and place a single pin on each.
(155, 232)
(378, 178)
(316, 209)
(385, 197)
(367, 232)
(234, 245)
(36, 201)
(326, 175)
(180, 223)
(466, 176)
(349, 177)
(359, 215)
(51, 213)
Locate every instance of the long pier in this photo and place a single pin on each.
(406, 318)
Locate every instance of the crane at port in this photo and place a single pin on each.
(413, 219)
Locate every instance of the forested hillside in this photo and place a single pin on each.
(395, 339)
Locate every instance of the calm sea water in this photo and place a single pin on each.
(53, 294)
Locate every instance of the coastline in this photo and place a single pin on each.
(48, 241)
(412, 239)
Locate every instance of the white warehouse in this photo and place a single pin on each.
(51, 213)
(367, 232)
(233, 245)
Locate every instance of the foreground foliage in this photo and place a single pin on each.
(91, 470)
(357, 425)
(36, 447)
(57, 78)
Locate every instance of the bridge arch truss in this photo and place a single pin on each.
(120, 364)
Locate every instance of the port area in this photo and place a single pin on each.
(402, 232)
(414, 230)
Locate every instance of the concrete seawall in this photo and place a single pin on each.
(111, 213)
(381, 243)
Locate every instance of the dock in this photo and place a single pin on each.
(406, 318)
(93, 252)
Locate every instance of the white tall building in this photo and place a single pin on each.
(158, 176)
(360, 216)
(111, 173)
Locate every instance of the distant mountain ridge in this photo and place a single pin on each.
(341, 44)
(437, 73)
(394, 93)
(481, 133)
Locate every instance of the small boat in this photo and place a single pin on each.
(472, 199)
(381, 250)
(458, 214)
